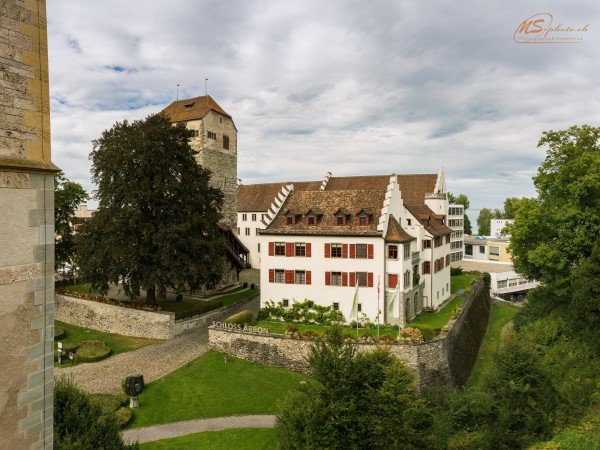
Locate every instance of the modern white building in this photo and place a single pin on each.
(497, 227)
(320, 240)
(456, 220)
(510, 285)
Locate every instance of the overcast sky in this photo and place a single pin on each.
(351, 87)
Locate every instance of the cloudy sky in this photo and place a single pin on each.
(352, 87)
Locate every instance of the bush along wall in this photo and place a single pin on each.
(306, 312)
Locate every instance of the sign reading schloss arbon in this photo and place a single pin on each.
(238, 327)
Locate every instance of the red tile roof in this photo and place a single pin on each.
(258, 197)
(395, 233)
(192, 109)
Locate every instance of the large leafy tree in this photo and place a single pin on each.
(156, 224)
(68, 195)
(555, 233)
(484, 220)
(358, 400)
(462, 199)
(511, 205)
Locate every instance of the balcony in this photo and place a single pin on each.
(416, 257)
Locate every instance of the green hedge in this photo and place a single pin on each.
(69, 346)
(92, 351)
(123, 415)
(241, 317)
(203, 307)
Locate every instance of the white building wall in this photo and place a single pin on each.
(247, 233)
(318, 264)
(497, 225)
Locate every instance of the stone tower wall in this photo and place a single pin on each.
(26, 229)
(221, 162)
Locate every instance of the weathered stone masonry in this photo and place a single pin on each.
(26, 229)
(448, 359)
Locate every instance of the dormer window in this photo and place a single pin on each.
(341, 218)
(189, 105)
(364, 218)
(311, 220)
(289, 220)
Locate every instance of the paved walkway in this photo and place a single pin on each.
(174, 429)
(153, 361)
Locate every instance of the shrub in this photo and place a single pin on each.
(292, 330)
(456, 271)
(310, 335)
(387, 339)
(245, 284)
(456, 312)
(92, 351)
(179, 297)
(306, 312)
(487, 280)
(80, 424)
(252, 285)
(59, 333)
(108, 403)
(409, 334)
(123, 415)
(69, 346)
(240, 318)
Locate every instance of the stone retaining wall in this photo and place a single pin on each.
(448, 359)
(136, 322)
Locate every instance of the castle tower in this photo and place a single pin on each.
(215, 140)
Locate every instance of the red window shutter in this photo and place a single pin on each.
(352, 251)
(447, 260)
(327, 250)
(370, 279)
(392, 280)
(289, 277)
(308, 249)
(352, 279)
(344, 250)
(344, 278)
(370, 251)
(271, 275)
(289, 249)
(271, 248)
(308, 277)
(327, 278)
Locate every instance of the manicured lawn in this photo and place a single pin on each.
(212, 386)
(462, 281)
(118, 343)
(237, 438)
(230, 299)
(500, 315)
(431, 323)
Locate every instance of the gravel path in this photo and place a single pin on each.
(153, 361)
(174, 429)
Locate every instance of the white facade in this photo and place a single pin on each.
(423, 276)
(456, 220)
(497, 227)
(248, 224)
(509, 283)
(476, 249)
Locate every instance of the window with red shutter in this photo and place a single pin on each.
(327, 250)
(427, 267)
(289, 249)
(308, 249)
(370, 251)
(308, 277)
(447, 260)
(370, 279)
(271, 275)
(344, 278)
(392, 280)
(352, 251)
(352, 281)
(344, 250)
(327, 278)
(289, 277)
(271, 248)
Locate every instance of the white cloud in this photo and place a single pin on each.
(351, 87)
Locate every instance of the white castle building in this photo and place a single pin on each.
(386, 236)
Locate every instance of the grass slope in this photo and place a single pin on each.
(209, 386)
(237, 438)
(462, 281)
(500, 315)
(117, 342)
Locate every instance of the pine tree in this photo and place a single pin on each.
(156, 224)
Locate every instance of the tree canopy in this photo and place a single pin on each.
(156, 223)
(68, 195)
(555, 232)
(484, 220)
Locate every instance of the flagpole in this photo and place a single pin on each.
(378, 309)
